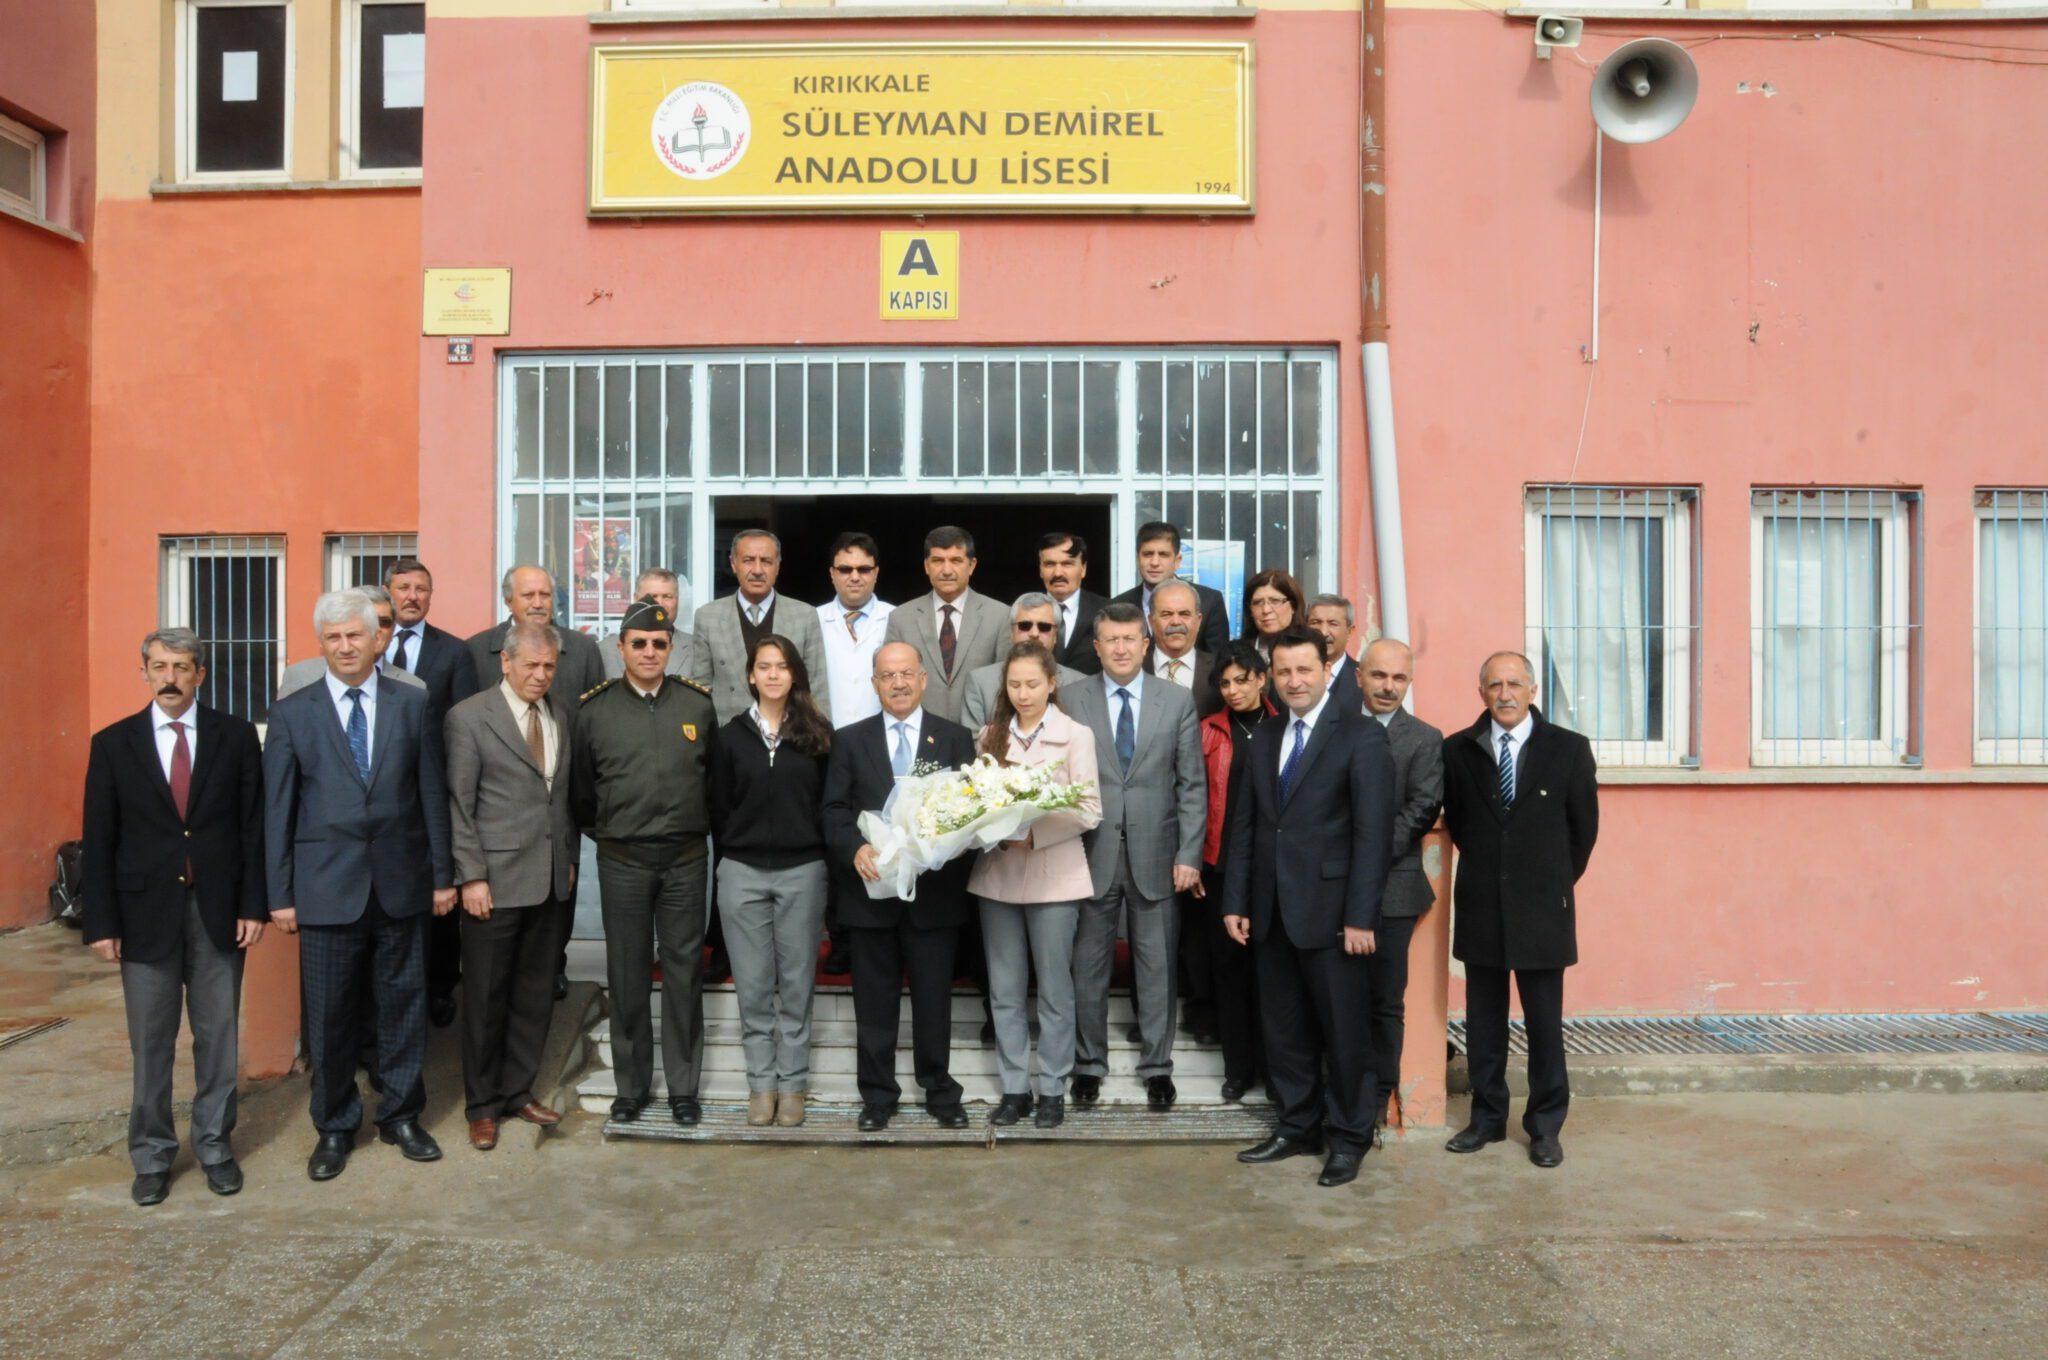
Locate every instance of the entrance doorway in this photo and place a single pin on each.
(1006, 530)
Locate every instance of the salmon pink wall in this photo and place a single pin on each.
(1820, 285)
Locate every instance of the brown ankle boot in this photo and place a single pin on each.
(761, 1108)
(789, 1109)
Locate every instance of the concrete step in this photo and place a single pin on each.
(724, 1054)
(600, 1086)
(836, 1003)
(727, 1123)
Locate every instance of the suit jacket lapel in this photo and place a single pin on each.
(1148, 713)
(142, 732)
(1480, 733)
(1319, 736)
(380, 731)
(330, 720)
(205, 726)
(498, 717)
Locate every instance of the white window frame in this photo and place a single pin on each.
(342, 551)
(21, 134)
(1994, 750)
(174, 604)
(1675, 509)
(351, 137)
(1894, 747)
(186, 126)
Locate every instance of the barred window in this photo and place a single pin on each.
(235, 89)
(230, 590)
(1835, 615)
(2012, 627)
(362, 559)
(1613, 617)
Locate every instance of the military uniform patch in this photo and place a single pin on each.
(689, 731)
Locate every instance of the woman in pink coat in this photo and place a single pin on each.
(1031, 890)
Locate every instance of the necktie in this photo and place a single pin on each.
(359, 733)
(404, 663)
(1066, 623)
(900, 762)
(1507, 770)
(852, 619)
(181, 770)
(1126, 731)
(1173, 669)
(947, 638)
(536, 740)
(1287, 771)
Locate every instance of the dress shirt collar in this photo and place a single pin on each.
(1518, 734)
(915, 722)
(338, 688)
(1136, 685)
(1310, 718)
(645, 693)
(1160, 661)
(1384, 719)
(412, 650)
(959, 607)
(757, 609)
(519, 705)
(159, 720)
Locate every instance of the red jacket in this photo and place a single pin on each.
(1216, 754)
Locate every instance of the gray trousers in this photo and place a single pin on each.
(206, 984)
(1016, 937)
(649, 911)
(774, 919)
(1155, 940)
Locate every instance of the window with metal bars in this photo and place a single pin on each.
(1613, 617)
(362, 559)
(230, 590)
(1835, 626)
(2011, 645)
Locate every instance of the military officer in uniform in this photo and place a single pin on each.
(639, 787)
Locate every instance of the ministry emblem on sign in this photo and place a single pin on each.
(701, 130)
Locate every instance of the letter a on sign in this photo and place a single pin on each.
(920, 275)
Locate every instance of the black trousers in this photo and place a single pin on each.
(1486, 1047)
(508, 997)
(1316, 1005)
(1388, 966)
(444, 953)
(881, 957)
(1232, 982)
(655, 913)
(330, 978)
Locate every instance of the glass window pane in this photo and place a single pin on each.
(2012, 619)
(1034, 402)
(555, 421)
(526, 424)
(237, 88)
(819, 439)
(758, 423)
(1823, 662)
(885, 420)
(525, 529)
(554, 546)
(1099, 424)
(1180, 419)
(725, 420)
(390, 86)
(1151, 417)
(1066, 417)
(676, 537)
(969, 404)
(1002, 418)
(789, 420)
(647, 422)
(1243, 422)
(1274, 547)
(937, 453)
(586, 420)
(676, 421)
(1274, 427)
(1210, 435)
(853, 412)
(618, 422)
(1308, 417)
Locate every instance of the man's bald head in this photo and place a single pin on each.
(1386, 670)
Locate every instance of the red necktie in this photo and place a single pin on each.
(946, 638)
(181, 771)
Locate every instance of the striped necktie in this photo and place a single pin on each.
(1507, 770)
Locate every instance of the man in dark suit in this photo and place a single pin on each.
(1159, 560)
(888, 935)
(530, 598)
(1307, 863)
(1522, 799)
(357, 852)
(1063, 566)
(173, 868)
(1418, 749)
(515, 846)
(1334, 618)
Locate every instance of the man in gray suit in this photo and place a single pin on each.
(727, 628)
(955, 630)
(300, 674)
(530, 598)
(1034, 617)
(515, 853)
(1387, 668)
(666, 589)
(1148, 847)
(355, 833)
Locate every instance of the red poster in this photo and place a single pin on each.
(602, 564)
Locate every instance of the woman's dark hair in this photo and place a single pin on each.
(1246, 658)
(803, 725)
(995, 738)
(1286, 585)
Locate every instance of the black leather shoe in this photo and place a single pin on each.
(950, 1117)
(441, 1011)
(1471, 1138)
(150, 1188)
(561, 985)
(330, 1156)
(1279, 1148)
(224, 1178)
(626, 1109)
(1341, 1169)
(1545, 1152)
(838, 962)
(685, 1111)
(1234, 1089)
(1086, 1091)
(1051, 1112)
(415, 1142)
(1012, 1109)
(1160, 1093)
(875, 1118)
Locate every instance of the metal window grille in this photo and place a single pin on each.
(611, 462)
(362, 559)
(2012, 627)
(1613, 609)
(230, 590)
(1835, 609)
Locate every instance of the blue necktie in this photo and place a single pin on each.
(1507, 770)
(1126, 732)
(359, 734)
(1287, 770)
(900, 762)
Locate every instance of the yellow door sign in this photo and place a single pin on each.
(920, 276)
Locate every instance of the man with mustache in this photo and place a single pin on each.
(727, 628)
(1062, 567)
(955, 629)
(174, 895)
(1175, 624)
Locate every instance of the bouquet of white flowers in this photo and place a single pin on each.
(933, 818)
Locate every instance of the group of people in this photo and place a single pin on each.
(1251, 823)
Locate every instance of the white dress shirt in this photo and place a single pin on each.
(753, 613)
(549, 744)
(958, 604)
(412, 647)
(1384, 719)
(850, 657)
(1186, 661)
(1136, 685)
(1308, 721)
(167, 740)
(337, 690)
(914, 730)
(1069, 609)
(1518, 737)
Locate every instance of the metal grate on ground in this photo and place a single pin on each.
(15, 1031)
(1863, 1035)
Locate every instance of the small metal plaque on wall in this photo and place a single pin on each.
(461, 349)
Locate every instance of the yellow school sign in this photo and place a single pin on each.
(921, 127)
(920, 276)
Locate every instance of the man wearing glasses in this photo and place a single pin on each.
(1035, 617)
(853, 622)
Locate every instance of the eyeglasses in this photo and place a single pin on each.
(852, 571)
(642, 644)
(887, 677)
(1023, 627)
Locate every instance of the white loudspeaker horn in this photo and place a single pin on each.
(1644, 90)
